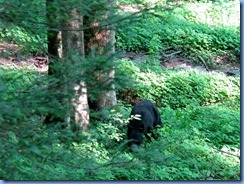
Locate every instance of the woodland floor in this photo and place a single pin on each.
(9, 55)
(175, 61)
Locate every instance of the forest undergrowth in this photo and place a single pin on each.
(200, 110)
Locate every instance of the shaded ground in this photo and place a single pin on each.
(174, 61)
(9, 55)
(171, 60)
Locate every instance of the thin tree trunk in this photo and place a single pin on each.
(73, 44)
(75, 109)
(54, 44)
(108, 98)
(101, 41)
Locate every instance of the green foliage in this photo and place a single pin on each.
(30, 43)
(200, 88)
(193, 125)
(206, 29)
(200, 139)
(14, 86)
(112, 129)
(138, 37)
(179, 89)
(22, 23)
(199, 39)
(196, 143)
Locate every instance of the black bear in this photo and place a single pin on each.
(144, 118)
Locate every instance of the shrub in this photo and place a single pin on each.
(138, 37)
(179, 89)
(196, 142)
(205, 29)
(30, 43)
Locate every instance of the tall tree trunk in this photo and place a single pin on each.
(54, 44)
(61, 47)
(73, 44)
(100, 40)
(107, 97)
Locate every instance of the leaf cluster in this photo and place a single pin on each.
(200, 139)
(197, 142)
(193, 28)
(179, 89)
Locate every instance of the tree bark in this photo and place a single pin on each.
(100, 40)
(54, 55)
(73, 44)
(61, 48)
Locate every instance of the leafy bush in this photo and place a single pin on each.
(187, 150)
(22, 23)
(196, 40)
(205, 29)
(138, 37)
(179, 89)
(30, 43)
(200, 139)
(200, 88)
(196, 142)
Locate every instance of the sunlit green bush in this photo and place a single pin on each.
(200, 139)
(197, 142)
(207, 29)
(179, 89)
(29, 43)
